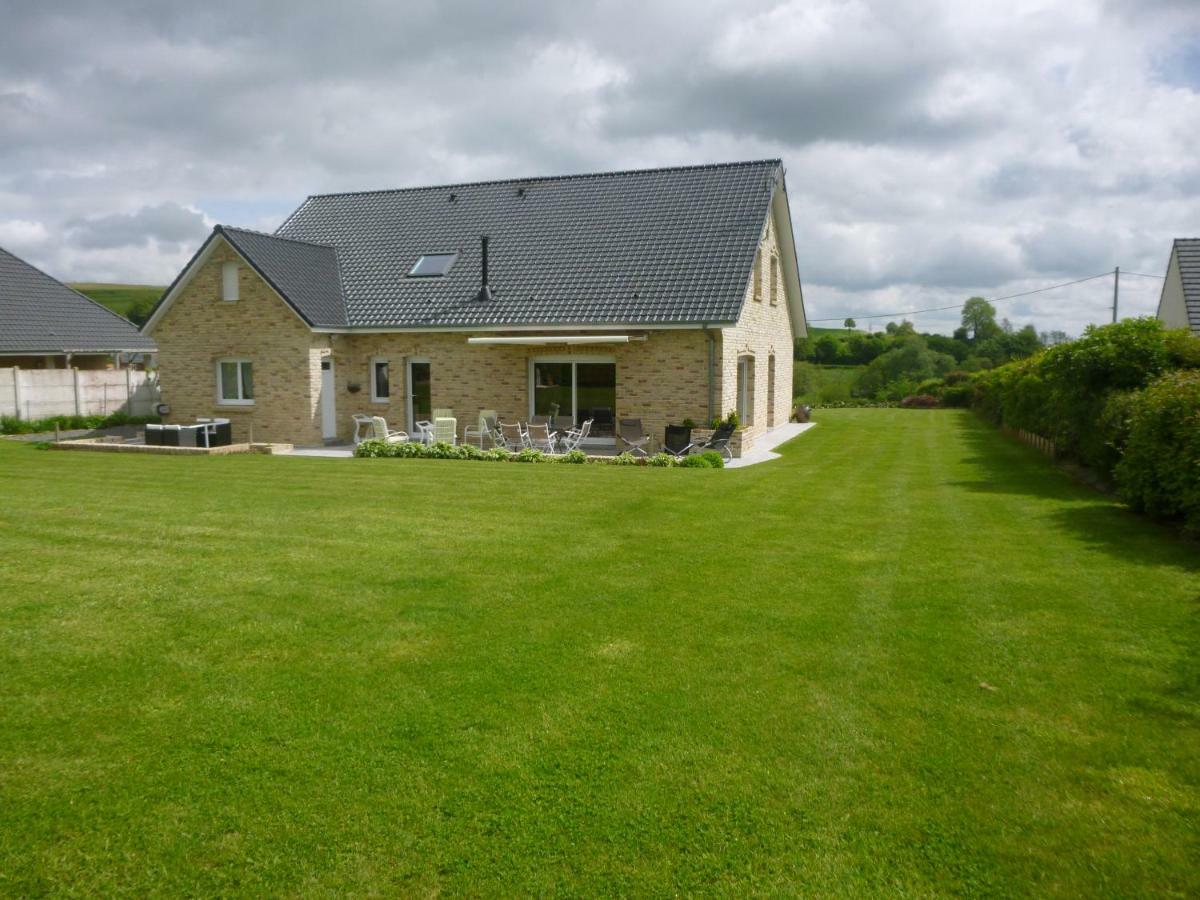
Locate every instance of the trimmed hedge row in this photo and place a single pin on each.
(375, 449)
(1123, 400)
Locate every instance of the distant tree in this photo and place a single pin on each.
(979, 317)
(826, 350)
(1053, 338)
(892, 328)
(850, 324)
(962, 334)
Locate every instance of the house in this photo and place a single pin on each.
(1179, 304)
(665, 294)
(46, 325)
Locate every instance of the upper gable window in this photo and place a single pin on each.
(433, 265)
(229, 282)
(756, 278)
(774, 279)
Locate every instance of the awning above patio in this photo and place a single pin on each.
(560, 339)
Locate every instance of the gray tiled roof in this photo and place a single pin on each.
(41, 315)
(644, 247)
(1187, 251)
(303, 272)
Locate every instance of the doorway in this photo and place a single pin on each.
(328, 401)
(420, 393)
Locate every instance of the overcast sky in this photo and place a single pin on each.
(934, 150)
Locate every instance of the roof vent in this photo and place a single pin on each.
(485, 292)
(521, 192)
(453, 197)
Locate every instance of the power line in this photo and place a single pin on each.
(914, 312)
(1143, 275)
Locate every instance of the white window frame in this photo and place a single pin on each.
(240, 361)
(776, 280)
(375, 361)
(229, 282)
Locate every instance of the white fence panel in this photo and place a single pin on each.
(40, 393)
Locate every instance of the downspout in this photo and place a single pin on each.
(712, 372)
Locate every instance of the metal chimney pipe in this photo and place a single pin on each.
(485, 292)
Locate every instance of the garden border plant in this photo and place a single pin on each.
(377, 449)
(13, 425)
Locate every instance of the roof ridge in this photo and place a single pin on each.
(536, 178)
(278, 237)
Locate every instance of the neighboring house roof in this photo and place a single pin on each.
(1187, 253)
(41, 315)
(655, 246)
(304, 273)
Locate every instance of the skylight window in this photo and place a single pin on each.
(433, 265)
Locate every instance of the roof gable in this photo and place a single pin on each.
(39, 314)
(653, 247)
(1187, 257)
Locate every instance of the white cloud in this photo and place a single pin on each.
(935, 149)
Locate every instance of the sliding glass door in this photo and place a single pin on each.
(581, 388)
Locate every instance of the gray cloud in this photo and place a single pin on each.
(934, 148)
(168, 224)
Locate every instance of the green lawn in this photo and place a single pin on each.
(133, 301)
(910, 657)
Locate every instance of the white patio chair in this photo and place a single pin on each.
(540, 437)
(510, 437)
(442, 414)
(574, 437)
(424, 433)
(487, 425)
(445, 430)
(381, 432)
(362, 428)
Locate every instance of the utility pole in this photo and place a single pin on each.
(1116, 291)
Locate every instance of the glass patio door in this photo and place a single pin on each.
(581, 389)
(420, 394)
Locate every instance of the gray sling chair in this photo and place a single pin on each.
(718, 440)
(633, 436)
(510, 437)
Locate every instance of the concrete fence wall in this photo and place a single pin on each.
(40, 393)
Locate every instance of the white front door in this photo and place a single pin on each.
(328, 401)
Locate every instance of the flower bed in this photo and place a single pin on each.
(375, 449)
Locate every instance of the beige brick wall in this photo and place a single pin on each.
(660, 380)
(763, 330)
(200, 328)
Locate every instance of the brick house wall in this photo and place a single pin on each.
(200, 328)
(660, 380)
(763, 331)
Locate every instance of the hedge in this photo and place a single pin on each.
(13, 425)
(1123, 400)
(376, 449)
(1159, 470)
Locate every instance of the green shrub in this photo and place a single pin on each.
(573, 457)
(372, 449)
(497, 454)
(626, 459)
(696, 461)
(13, 425)
(957, 395)
(530, 455)
(469, 451)
(1159, 471)
(715, 459)
(662, 460)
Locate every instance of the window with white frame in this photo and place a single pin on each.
(774, 279)
(756, 277)
(235, 382)
(381, 386)
(229, 282)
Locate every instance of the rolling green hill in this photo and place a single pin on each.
(133, 301)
